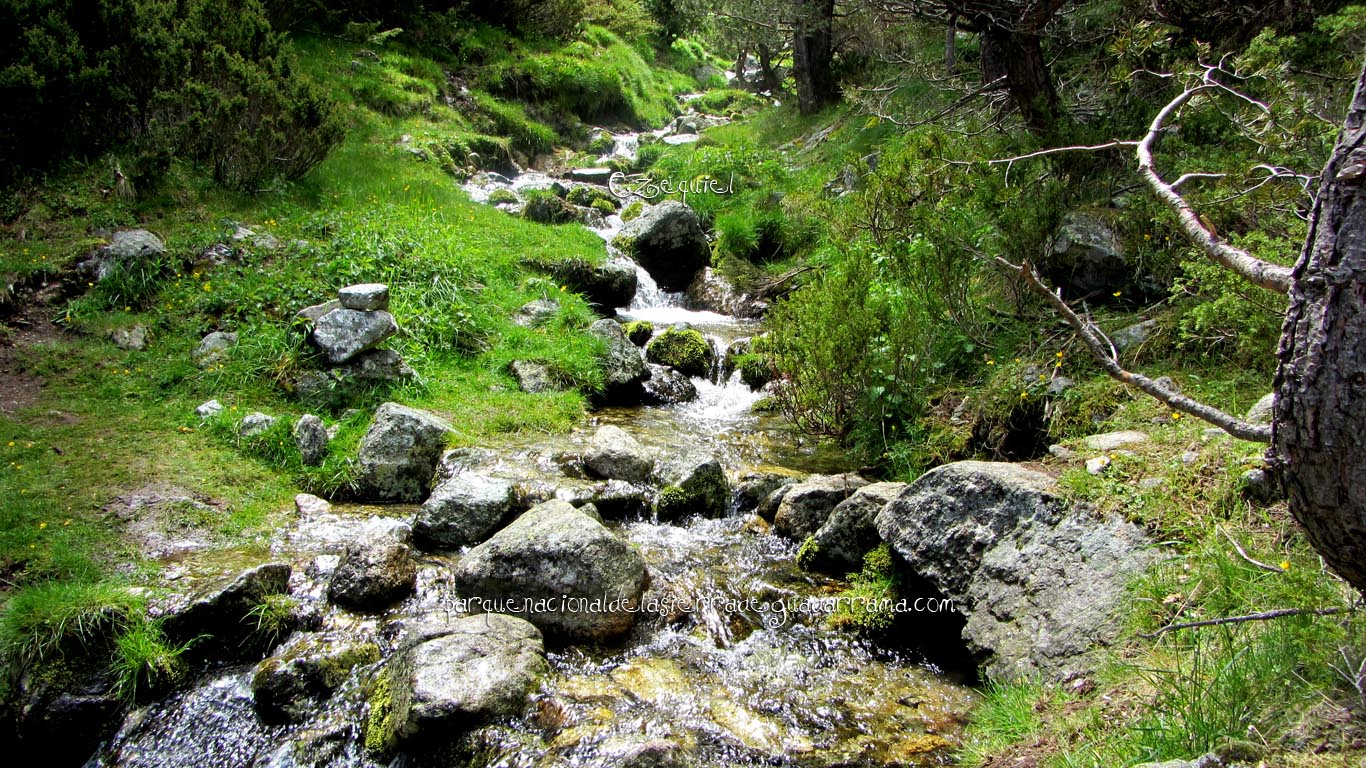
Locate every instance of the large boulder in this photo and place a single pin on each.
(712, 292)
(223, 610)
(482, 667)
(808, 504)
(623, 367)
(562, 571)
(344, 333)
(668, 242)
(286, 686)
(667, 387)
(752, 488)
(607, 286)
(128, 249)
(683, 349)
(1086, 259)
(692, 484)
(1037, 581)
(464, 509)
(615, 455)
(377, 569)
(399, 452)
(850, 532)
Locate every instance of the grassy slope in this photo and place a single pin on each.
(109, 422)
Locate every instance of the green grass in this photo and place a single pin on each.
(1009, 713)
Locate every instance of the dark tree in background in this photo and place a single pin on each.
(813, 55)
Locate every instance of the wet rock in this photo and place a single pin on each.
(464, 509)
(615, 455)
(638, 331)
(767, 509)
(623, 368)
(607, 286)
(1261, 412)
(1037, 581)
(377, 569)
(534, 313)
(61, 727)
(399, 452)
(667, 387)
(850, 532)
(619, 499)
(344, 333)
(255, 424)
(552, 554)
(133, 338)
(483, 667)
(712, 292)
(310, 436)
(287, 685)
(223, 610)
(308, 505)
(364, 297)
(668, 242)
(808, 504)
(682, 349)
(1113, 441)
(1131, 336)
(692, 484)
(1086, 259)
(129, 249)
(753, 488)
(597, 176)
(207, 409)
(213, 348)
(533, 377)
(549, 209)
(641, 752)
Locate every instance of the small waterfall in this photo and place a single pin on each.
(650, 296)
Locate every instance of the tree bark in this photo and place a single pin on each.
(951, 45)
(1018, 56)
(813, 55)
(1319, 429)
(768, 77)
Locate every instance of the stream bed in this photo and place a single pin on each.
(720, 670)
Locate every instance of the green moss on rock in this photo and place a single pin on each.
(672, 503)
(639, 331)
(683, 349)
(632, 211)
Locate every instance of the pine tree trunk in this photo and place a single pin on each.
(1018, 56)
(1319, 432)
(813, 55)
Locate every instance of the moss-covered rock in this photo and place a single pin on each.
(632, 211)
(693, 484)
(549, 209)
(639, 331)
(605, 207)
(683, 349)
(601, 143)
(587, 195)
(500, 196)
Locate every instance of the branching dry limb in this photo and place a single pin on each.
(1263, 616)
(1104, 354)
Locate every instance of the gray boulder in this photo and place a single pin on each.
(615, 455)
(807, 505)
(1086, 259)
(340, 385)
(365, 297)
(607, 286)
(344, 333)
(309, 316)
(534, 313)
(1262, 411)
(562, 571)
(1037, 581)
(310, 436)
(213, 348)
(1113, 441)
(399, 452)
(667, 386)
(132, 338)
(127, 249)
(286, 686)
(692, 484)
(464, 509)
(850, 532)
(377, 569)
(752, 488)
(668, 242)
(208, 408)
(1131, 336)
(714, 293)
(623, 366)
(482, 667)
(254, 424)
(767, 509)
(533, 377)
(222, 609)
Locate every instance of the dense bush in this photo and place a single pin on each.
(197, 79)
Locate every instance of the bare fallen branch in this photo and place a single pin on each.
(1262, 616)
(1104, 354)
(1248, 558)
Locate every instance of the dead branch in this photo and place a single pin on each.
(1248, 558)
(1262, 616)
(1104, 353)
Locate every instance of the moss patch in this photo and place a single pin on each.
(685, 350)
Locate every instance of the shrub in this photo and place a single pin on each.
(200, 79)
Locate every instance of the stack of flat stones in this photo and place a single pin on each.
(348, 330)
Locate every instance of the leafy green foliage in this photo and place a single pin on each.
(201, 79)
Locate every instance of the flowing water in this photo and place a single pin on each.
(731, 662)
